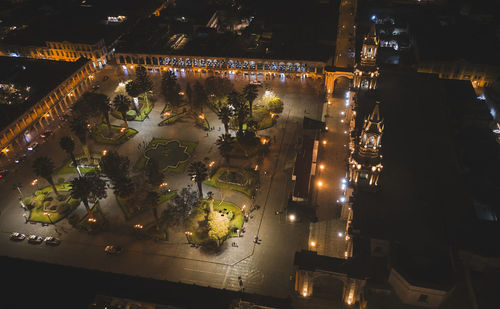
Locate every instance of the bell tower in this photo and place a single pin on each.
(366, 72)
(370, 46)
(365, 162)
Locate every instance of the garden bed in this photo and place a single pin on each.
(117, 136)
(174, 161)
(133, 206)
(197, 222)
(46, 201)
(172, 119)
(236, 179)
(68, 167)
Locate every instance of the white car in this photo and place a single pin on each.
(256, 82)
(113, 249)
(52, 241)
(35, 239)
(17, 236)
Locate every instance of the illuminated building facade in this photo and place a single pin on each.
(365, 163)
(366, 72)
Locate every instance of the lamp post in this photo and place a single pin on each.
(48, 216)
(18, 186)
(35, 183)
(187, 236)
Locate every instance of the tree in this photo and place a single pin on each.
(154, 174)
(133, 89)
(199, 173)
(220, 87)
(44, 167)
(240, 109)
(225, 116)
(92, 105)
(225, 145)
(275, 106)
(189, 92)
(170, 88)
(100, 103)
(122, 104)
(181, 206)
(68, 145)
(143, 80)
(116, 168)
(250, 92)
(218, 227)
(88, 187)
(80, 128)
(200, 97)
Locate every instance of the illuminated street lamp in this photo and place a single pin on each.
(320, 183)
(324, 142)
(321, 166)
(291, 217)
(138, 226)
(48, 216)
(35, 183)
(187, 236)
(92, 220)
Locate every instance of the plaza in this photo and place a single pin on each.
(265, 267)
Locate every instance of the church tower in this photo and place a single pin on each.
(365, 162)
(366, 72)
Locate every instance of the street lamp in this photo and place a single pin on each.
(18, 187)
(35, 183)
(320, 183)
(292, 217)
(48, 216)
(187, 236)
(321, 166)
(92, 220)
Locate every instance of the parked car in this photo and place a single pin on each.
(35, 239)
(256, 82)
(32, 146)
(46, 134)
(52, 241)
(17, 236)
(3, 173)
(113, 249)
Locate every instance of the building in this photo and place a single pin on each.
(365, 162)
(49, 97)
(366, 72)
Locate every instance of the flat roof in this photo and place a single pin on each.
(298, 32)
(72, 21)
(420, 187)
(302, 170)
(33, 73)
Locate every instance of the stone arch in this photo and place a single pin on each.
(328, 286)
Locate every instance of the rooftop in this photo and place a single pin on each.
(420, 187)
(72, 21)
(278, 30)
(27, 72)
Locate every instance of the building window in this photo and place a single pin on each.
(423, 298)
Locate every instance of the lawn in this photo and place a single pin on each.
(197, 222)
(172, 119)
(133, 206)
(132, 115)
(171, 155)
(46, 201)
(117, 136)
(235, 179)
(68, 167)
(100, 220)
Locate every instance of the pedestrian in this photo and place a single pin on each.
(219, 128)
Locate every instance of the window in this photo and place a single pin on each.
(423, 298)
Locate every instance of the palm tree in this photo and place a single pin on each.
(122, 104)
(79, 127)
(116, 168)
(200, 97)
(143, 82)
(199, 173)
(225, 145)
(225, 116)
(88, 186)
(240, 109)
(100, 103)
(68, 145)
(134, 91)
(250, 93)
(44, 167)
